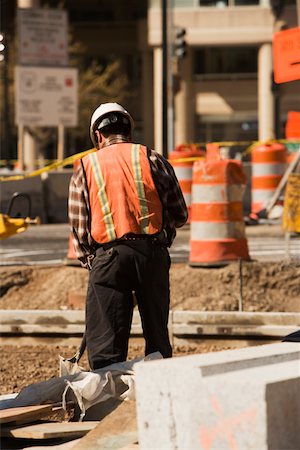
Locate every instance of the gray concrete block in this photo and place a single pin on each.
(235, 405)
(230, 323)
(230, 360)
(56, 191)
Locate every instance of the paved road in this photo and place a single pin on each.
(48, 245)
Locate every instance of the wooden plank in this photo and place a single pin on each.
(50, 430)
(131, 447)
(64, 446)
(25, 413)
(115, 431)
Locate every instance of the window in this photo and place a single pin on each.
(246, 2)
(239, 130)
(213, 3)
(222, 3)
(225, 60)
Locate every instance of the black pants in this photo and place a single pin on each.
(139, 266)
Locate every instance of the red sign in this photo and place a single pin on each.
(286, 55)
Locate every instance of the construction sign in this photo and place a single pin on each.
(46, 96)
(286, 55)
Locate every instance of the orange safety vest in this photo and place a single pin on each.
(123, 197)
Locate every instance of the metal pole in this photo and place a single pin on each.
(21, 147)
(277, 103)
(61, 142)
(164, 80)
(170, 77)
(241, 299)
(29, 143)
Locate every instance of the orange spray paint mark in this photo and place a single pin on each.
(226, 426)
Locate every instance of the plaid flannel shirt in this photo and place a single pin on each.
(166, 183)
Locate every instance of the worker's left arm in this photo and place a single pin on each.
(79, 215)
(167, 185)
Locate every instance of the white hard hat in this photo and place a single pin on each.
(101, 111)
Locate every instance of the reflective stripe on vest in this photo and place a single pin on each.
(107, 215)
(137, 170)
(123, 197)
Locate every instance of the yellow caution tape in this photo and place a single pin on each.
(71, 159)
(183, 160)
(65, 162)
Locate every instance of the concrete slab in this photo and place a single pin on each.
(56, 191)
(213, 363)
(181, 323)
(187, 323)
(223, 402)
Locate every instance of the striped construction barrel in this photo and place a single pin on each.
(268, 164)
(182, 160)
(217, 221)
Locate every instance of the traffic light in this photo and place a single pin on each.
(2, 47)
(180, 44)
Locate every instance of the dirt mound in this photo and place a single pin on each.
(261, 287)
(27, 364)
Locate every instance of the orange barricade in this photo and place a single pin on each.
(217, 222)
(184, 169)
(268, 164)
(292, 127)
(71, 258)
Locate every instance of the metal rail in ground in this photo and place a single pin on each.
(182, 324)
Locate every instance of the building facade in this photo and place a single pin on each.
(226, 91)
(223, 86)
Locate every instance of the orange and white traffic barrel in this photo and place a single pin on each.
(182, 160)
(268, 164)
(217, 221)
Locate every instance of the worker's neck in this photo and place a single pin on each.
(114, 139)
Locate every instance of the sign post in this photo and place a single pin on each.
(46, 88)
(43, 39)
(46, 96)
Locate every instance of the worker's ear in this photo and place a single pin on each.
(99, 138)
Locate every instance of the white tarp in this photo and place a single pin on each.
(86, 388)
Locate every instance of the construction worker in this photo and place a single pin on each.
(124, 205)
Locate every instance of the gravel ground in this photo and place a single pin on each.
(265, 287)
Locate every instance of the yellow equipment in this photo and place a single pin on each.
(291, 208)
(13, 225)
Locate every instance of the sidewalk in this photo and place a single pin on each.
(264, 228)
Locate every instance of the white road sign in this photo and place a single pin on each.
(46, 96)
(42, 37)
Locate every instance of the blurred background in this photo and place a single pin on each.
(219, 71)
(189, 72)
